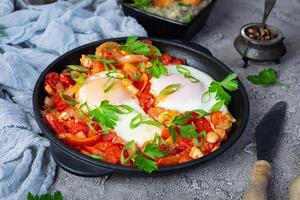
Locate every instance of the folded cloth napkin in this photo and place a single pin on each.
(32, 37)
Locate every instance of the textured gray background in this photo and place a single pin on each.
(225, 177)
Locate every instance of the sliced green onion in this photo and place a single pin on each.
(81, 114)
(77, 77)
(217, 106)
(106, 62)
(116, 75)
(130, 147)
(124, 109)
(85, 104)
(68, 100)
(170, 89)
(90, 125)
(202, 134)
(108, 85)
(96, 156)
(182, 70)
(158, 140)
(138, 120)
(192, 79)
(196, 142)
(205, 97)
(78, 68)
(201, 113)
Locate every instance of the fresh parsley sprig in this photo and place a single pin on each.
(55, 196)
(186, 130)
(220, 89)
(107, 115)
(266, 77)
(144, 163)
(133, 45)
(157, 69)
(153, 151)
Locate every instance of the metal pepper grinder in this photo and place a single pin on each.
(259, 41)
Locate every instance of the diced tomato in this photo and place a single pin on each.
(109, 137)
(172, 160)
(202, 124)
(97, 67)
(146, 41)
(178, 61)
(97, 127)
(54, 124)
(77, 127)
(108, 55)
(166, 58)
(183, 144)
(66, 80)
(216, 117)
(165, 133)
(52, 79)
(60, 105)
(112, 154)
(145, 98)
(207, 147)
(75, 141)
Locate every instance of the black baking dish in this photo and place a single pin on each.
(157, 26)
(195, 55)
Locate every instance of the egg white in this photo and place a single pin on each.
(92, 92)
(188, 96)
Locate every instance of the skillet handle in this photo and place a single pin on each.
(76, 166)
(196, 46)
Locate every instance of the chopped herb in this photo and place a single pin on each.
(187, 18)
(133, 45)
(203, 135)
(131, 149)
(106, 114)
(116, 75)
(229, 83)
(138, 120)
(188, 131)
(158, 140)
(142, 4)
(265, 77)
(144, 164)
(157, 69)
(77, 77)
(217, 106)
(96, 156)
(68, 100)
(55, 196)
(153, 151)
(78, 68)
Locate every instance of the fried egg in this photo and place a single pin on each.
(92, 92)
(189, 96)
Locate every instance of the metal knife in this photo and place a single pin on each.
(266, 134)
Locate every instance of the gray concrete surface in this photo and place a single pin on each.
(225, 177)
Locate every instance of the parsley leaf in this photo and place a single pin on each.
(157, 69)
(217, 106)
(133, 45)
(229, 83)
(265, 77)
(106, 114)
(153, 151)
(144, 164)
(55, 196)
(186, 130)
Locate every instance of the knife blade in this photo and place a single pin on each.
(268, 130)
(266, 134)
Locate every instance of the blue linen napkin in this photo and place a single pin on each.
(32, 37)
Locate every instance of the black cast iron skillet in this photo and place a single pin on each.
(196, 56)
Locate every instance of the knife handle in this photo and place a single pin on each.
(257, 189)
(295, 189)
